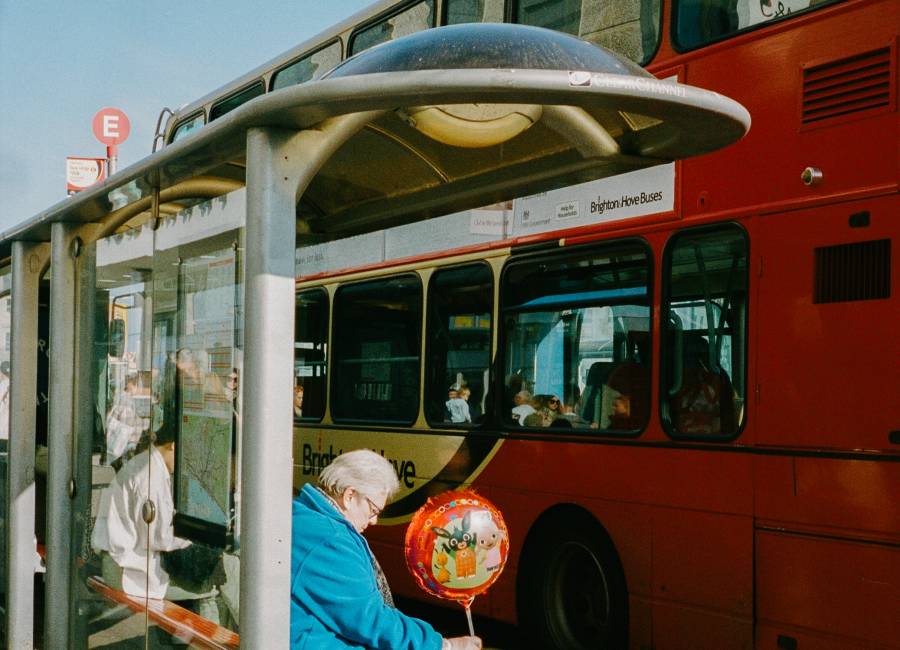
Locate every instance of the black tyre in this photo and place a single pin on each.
(571, 592)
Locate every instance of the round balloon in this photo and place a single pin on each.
(456, 545)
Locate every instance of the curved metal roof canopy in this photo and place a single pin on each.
(470, 115)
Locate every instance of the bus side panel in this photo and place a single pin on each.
(827, 372)
(832, 586)
(670, 513)
(765, 74)
(829, 496)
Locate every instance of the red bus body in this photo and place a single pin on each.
(789, 535)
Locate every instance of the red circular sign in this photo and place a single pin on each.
(111, 126)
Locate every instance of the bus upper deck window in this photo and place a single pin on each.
(629, 28)
(413, 19)
(228, 104)
(473, 11)
(700, 22)
(311, 66)
(187, 126)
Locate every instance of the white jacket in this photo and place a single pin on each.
(120, 529)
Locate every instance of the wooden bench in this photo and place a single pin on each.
(174, 619)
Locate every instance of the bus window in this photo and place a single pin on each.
(460, 302)
(310, 347)
(187, 126)
(699, 22)
(473, 11)
(230, 103)
(311, 66)
(377, 336)
(628, 28)
(577, 340)
(413, 19)
(704, 333)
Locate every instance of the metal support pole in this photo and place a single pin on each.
(60, 438)
(27, 261)
(280, 165)
(85, 392)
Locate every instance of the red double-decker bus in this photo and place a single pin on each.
(680, 384)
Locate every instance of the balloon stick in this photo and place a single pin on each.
(469, 619)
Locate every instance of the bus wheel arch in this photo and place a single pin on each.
(571, 590)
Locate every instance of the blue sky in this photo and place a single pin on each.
(60, 62)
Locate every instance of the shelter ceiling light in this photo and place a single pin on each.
(472, 125)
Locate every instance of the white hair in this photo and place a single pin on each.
(363, 470)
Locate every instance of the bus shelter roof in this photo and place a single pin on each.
(591, 117)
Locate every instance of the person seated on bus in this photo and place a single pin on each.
(340, 597)
(705, 401)
(457, 406)
(625, 404)
(298, 401)
(522, 407)
(131, 551)
(591, 404)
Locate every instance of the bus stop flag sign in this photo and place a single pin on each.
(111, 127)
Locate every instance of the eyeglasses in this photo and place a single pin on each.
(554, 401)
(374, 511)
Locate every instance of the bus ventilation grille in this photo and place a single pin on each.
(847, 86)
(853, 272)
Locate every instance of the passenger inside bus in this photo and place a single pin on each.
(703, 402)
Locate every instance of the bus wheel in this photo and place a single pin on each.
(571, 592)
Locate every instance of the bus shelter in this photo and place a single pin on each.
(163, 298)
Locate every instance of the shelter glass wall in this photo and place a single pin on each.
(5, 327)
(163, 516)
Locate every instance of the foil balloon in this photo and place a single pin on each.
(456, 545)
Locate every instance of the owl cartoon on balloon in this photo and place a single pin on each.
(456, 546)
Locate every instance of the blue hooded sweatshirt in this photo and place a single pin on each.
(335, 602)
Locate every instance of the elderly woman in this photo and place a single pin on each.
(339, 595)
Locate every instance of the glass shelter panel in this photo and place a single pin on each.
(310, 354)
(577, 333)
(629, 27)
(163, 508)
(5, 329)
(413, 19)
(457, 371)
(377, 335)
(704, 342)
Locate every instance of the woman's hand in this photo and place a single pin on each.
(463, 643)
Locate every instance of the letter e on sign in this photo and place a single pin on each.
(111, 126)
